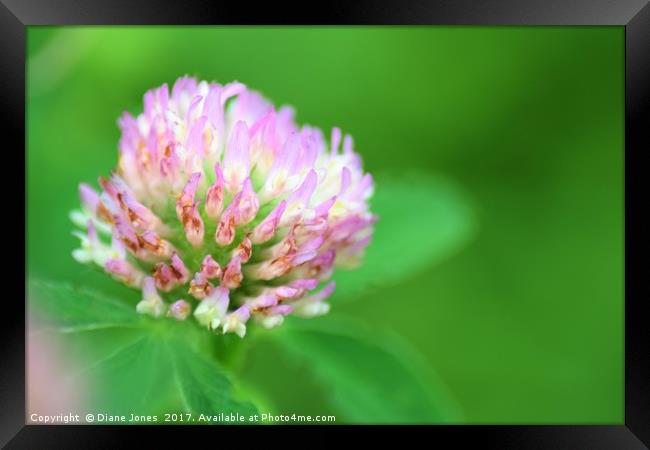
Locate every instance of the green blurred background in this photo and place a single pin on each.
(525, 322)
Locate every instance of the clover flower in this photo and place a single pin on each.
(223, 206)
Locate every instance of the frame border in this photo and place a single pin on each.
(16, 15)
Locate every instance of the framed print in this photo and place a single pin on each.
(419, 219)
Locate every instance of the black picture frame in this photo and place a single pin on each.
(634, 15)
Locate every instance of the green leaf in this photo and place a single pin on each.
(203, 385)
(130, 379)
(130, 363)
(78, 309)
(422, 221)
(369, 378)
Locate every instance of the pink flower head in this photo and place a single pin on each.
(221, 199)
